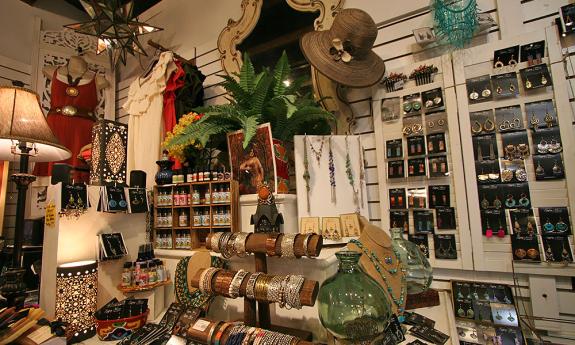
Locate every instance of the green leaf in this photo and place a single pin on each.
(281, 74)
(250, 126)
(247, 74)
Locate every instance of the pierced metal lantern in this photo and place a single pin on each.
(76, 293)
(109, 153)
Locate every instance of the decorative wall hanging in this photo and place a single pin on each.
(109, 152)
(455, 21)
(115, 26)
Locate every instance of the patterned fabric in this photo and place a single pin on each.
(189, 296)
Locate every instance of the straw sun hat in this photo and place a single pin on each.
(343, 53)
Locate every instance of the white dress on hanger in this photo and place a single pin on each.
(145, 107)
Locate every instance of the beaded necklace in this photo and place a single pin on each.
(306, 175)
(349, 173)
(331, 172)
(317, 152)
(398, 301)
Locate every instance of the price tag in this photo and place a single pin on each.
(201, 325)
(50, 214)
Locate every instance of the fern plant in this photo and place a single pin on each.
(258, 98)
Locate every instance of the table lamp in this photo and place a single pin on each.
(76, 293)
(25, 137)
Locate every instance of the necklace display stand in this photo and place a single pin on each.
(257, 313)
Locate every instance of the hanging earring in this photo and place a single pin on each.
(486, 92)
(484, 202)
(510, 201)
(542, 147)
(539, 171)
(498, 64)
(497, 202)
(476, 127)
(473, 95)
(521, 175)
(499, 89)
(534, 121)
(565, 254)
(488, 125)
(510, 317)
(530, 228)
(523, 200)
(528, 84)
(543, 79)
(460, 311)
(441, 251)
(479, 152)
(561, 226)
(498, 316)
(122, 202)
(548, 119)
(548, 226)
(557, 169)
(554, 146)
(506, 175)
(71, 202)
(470, 312)
(516, 226)
(488, 230)
(512, 62)
(501, 230)
(491, 151)
(511, 87)
(451, 252)
(80, 201)
(549, 254)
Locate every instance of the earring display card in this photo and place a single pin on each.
(422, 241)
(412, 104)
(469, 334)
(423, 221)
(487, 171)
(554, 221)
(112, 199)
(390, 109)
(533, 52)
(494, 223)
(416, 146)
(548, 167)
(432, 99)
(541, 114)
(137, 200)
(112, 246)
(513, 171)
(508, 119)
(445, 218)
(547, 140)
(397, 198)
(399, 218)
(505, 85)
(445, 247)
(515, 195)
(482, 122)
(416, 198)
(485, 147)
(515, 145)
(567, 14)
(504, 314)
(482, 311)
(394, 148)
(490, 197)
(509, 336)
(412, 126)
(436, 123)
(523, 221)
(74, 196)
(416, 167)
(395, 169)
(439, 196)
(525, 248)
(436, 143)
(479, 89)
(535, 77)
(429, 334)
(506, 57)
(557, 249)
(438, 166)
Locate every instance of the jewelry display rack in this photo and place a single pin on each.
(495, 254)
(198, 233)
(393, 129)
(269, 244)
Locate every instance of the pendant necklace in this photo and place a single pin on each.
(331, 172)
(306, 175)
(317, 153)
(398, 301)
(361, 171)
(349, 173)
(71, 89)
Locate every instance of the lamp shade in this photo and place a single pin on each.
(76, 292)
(22, 120)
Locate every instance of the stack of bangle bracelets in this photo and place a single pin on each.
(240, 334)
(284, 290)
(230, 244)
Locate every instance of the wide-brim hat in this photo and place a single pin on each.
(344, 52)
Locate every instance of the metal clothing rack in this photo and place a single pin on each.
(177, 56)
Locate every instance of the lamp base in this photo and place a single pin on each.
(81, 335)
(13, 287)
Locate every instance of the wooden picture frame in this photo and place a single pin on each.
(331, 228)
(308, 225)
(350, 225)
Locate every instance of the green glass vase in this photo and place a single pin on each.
(418, 271)
(352, 306)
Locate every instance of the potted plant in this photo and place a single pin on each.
(255, 99)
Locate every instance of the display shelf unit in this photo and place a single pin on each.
(495, 254)
(393, 129)
(208, 211)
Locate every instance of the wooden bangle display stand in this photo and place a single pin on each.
(262, 245)
(201, 336)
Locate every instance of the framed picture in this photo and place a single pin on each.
(350, 225)
(309, 225)
(331, 228)
(255, 163)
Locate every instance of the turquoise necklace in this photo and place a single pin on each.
(377, 264)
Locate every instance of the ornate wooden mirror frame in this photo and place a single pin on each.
(237, 30)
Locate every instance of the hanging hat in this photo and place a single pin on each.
(343, 53)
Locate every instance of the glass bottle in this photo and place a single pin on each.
(418, 271)
(127, 274)
(352, 305)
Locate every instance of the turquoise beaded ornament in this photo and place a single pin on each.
(455, 21)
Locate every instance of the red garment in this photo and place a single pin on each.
(74, 132)
(175, 82)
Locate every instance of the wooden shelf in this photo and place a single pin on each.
(184, 206)
(201, 205)
(135, 289)
(164, 206)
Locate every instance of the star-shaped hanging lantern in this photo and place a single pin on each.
(115, 26)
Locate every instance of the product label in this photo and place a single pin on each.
(201, 325)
